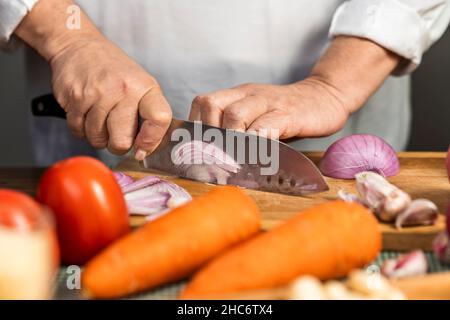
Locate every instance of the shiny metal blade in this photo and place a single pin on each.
(262, 164)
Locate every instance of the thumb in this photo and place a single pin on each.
(156, 115)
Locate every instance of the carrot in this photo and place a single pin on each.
(173, 246)
(326, 241)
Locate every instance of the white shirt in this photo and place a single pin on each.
(198, 46)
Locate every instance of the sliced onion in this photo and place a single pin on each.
(154, 204)
(151, 195)
(441, 247)
(160, 195)
(200, 152)
(141, 183)
(411, 264)
(122, 178)
(205, 162)
(357, 153)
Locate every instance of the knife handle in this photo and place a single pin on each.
(47, 106)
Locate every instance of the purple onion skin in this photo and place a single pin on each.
(357, 153)
(122, 178)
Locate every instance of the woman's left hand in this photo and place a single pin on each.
(309, 108)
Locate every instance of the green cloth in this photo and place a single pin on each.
(171, 291)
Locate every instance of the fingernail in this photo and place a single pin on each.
(140, 155)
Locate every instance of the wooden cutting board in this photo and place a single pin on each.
(422, 175)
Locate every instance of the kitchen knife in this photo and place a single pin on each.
(200, 152)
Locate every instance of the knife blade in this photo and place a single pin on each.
(222, 156)
(293, 173)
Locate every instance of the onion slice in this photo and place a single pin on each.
(411, 264)
(357, 153)
(205, 162)
(141, 183)
(122, 179)
(152, 195)
(441, 247)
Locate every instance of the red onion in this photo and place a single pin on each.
(357, 153)
(441, 247)
(154, 204)
(412, 264)
(205, 162)
(151, 195)
(141, 183)
(122, 179)
(200, 152)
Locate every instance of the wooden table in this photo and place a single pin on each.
(422, 174)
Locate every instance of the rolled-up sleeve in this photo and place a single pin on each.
(11, 14)
(406, 27)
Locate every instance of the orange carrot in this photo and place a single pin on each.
(326, 241)
(173, 246)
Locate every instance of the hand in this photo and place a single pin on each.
(309, 108)
(103, 92)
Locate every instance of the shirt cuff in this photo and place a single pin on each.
(11, 14)
(391, 24)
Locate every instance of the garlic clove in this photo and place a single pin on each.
(367, 283)
(441, 247)
(382, 197)
(419, 212)
(373, 286)
(336, 290)
(411, 264)
(307, 288)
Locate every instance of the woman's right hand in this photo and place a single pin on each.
(103, 91)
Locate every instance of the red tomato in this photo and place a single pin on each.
(18, 210)
(88, 204)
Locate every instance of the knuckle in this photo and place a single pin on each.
(148, 143)
(233, 115)
(162, 118)
(98, 142)
(90, 94)
(207, 103)
(96, 138)
(76, 130)
(120, 146)
(76, 94)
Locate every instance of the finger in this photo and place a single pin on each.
(273, 125)
(122, 125)
(75, 122)
(240, 114)
(208, 108)
(95, 127)
(156, 115)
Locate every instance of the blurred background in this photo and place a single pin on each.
(430, 99)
